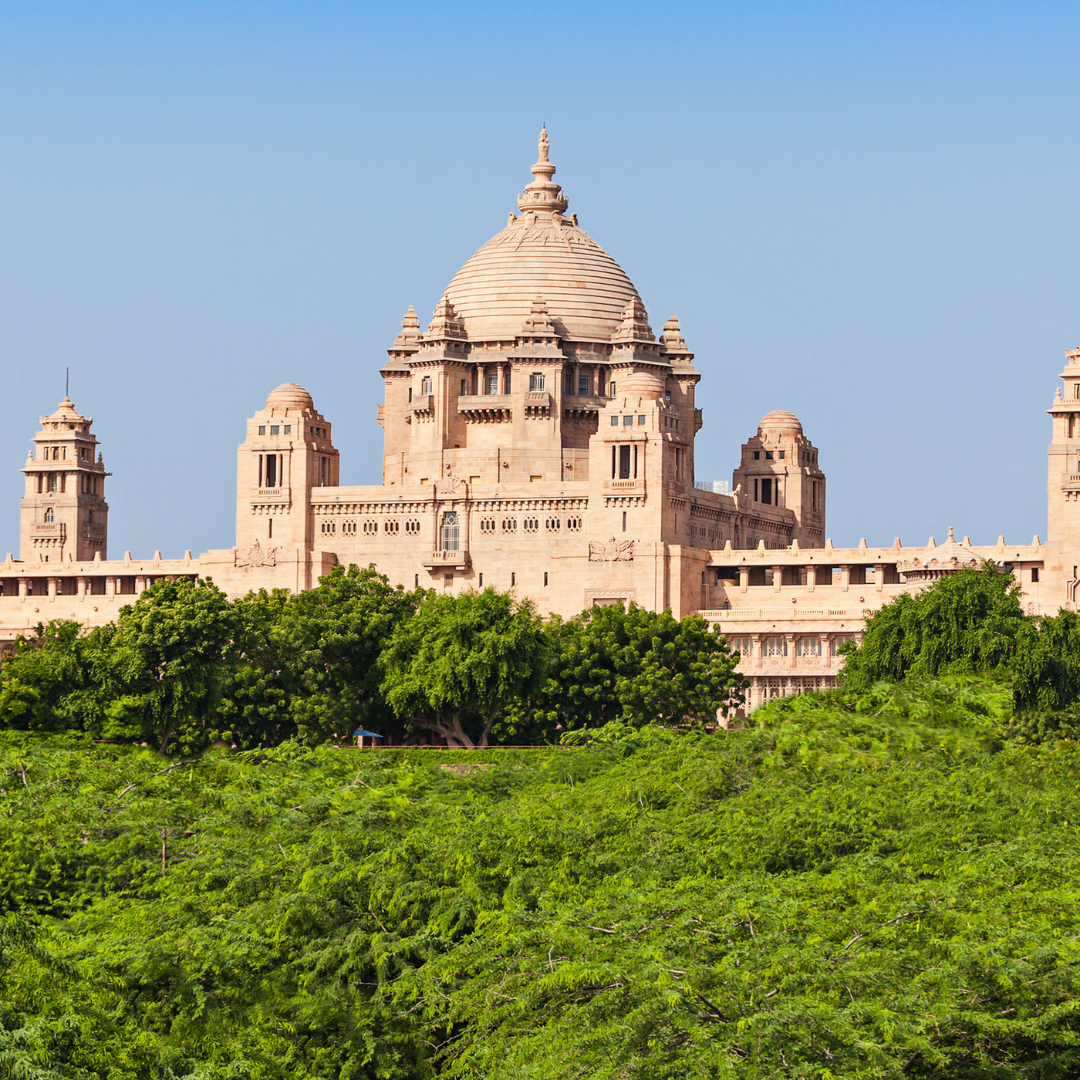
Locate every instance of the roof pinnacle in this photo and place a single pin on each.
(543, 194)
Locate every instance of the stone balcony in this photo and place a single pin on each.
(625, 487)
(55, 530)
(447, 560)
(480, 407)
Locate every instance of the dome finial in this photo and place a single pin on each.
(543, 194)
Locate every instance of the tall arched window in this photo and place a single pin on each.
(451, 531)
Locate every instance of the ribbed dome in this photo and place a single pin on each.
(289, 396)
(541, 253)
(780, 422)
(640, 383)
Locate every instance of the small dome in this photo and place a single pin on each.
(780, 422)
(289, 396)
(639, 382)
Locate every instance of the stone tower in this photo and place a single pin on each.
(779, 468)
(1063, 457)
(64, 515)
(287, 453)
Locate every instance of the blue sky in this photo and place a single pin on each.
(865, 213)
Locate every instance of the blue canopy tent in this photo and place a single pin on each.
(361, 735)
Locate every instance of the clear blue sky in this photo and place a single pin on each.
(863, 212)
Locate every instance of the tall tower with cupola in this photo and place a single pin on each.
(1063, 458)
(779, 470)
(64, 516)
(287, 453)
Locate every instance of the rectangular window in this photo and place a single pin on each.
(641, 420)
(493, 384)
(568, 382)
(667, 395)
(782, 452)
(513, 579)
(262, 429)
(1034, 573)
(774, 646)
(275, 429)
(614, 421)
(808, 646)
(410, 398)
(768, 455)
(744, 646)
(627, 421)
(756, 496)
(624, 462)
(271, 470)
(624, 521)
(507, 384)
(757, 455)
(322, 472)
(767, 491)
(583, 386)
(260, 470)
(464, 384)
(545, 577)
(425, 386)
(481, 581)
(288, 429)
(536, 382)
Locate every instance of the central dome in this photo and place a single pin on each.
(541, 253)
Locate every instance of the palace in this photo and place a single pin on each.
(538, 436)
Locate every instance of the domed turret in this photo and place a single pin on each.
(780, 422)
(290, 396)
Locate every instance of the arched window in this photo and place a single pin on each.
(451, 531)
(49, 516)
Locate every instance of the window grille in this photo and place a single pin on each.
(451, 531)
(774, 646)
(536, 382)
(808, 646)
(412, 527)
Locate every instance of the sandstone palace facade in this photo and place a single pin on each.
(538, 436)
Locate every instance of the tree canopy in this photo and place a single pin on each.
(964, 623)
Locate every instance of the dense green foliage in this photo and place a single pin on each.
(860, 885)
(966, 623)
(184, 668)
(875, 882)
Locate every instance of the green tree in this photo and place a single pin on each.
(57, 679)
(963, 624)
(460, 661)
(326, 643)
(169, 657)
(637, 667)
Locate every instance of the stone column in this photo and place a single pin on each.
(777, 578)
(110, 586)
(83, 587)
(22, 588)
(744, 578)
(811, 578)
(845, 578)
